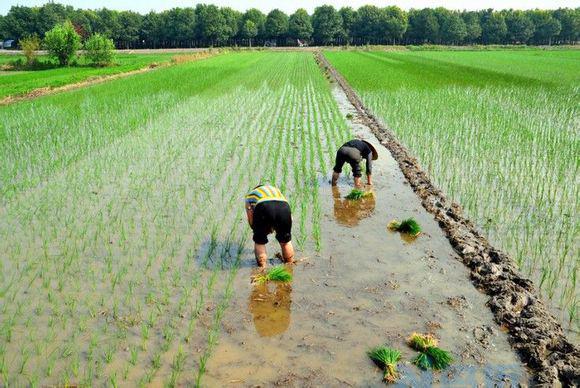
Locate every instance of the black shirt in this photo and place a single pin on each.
(364, 150)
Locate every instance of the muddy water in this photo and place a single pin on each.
(367, 287)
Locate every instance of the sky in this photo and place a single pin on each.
(144, 6)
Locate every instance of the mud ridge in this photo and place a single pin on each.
(533, 331)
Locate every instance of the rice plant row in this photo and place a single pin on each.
(122, 224)
(498, 132)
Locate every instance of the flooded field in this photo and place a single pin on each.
(497, 131)
(126, 258)
(367, 287)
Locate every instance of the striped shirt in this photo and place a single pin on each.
(264, 193)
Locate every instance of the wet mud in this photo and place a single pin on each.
(532, 330)
(368, 286)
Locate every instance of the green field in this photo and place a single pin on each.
(22, 82)
(498, 132)
(122, 219)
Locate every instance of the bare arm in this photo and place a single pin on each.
(250, 215)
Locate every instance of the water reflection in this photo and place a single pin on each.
(349, 212)
(270, 307)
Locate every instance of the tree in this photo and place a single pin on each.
(30, 45)
(546, 26)
(432, 27)
(472, 27)
(232, 19)
(211, 25)
(20, 22)
(128, 27)
(62, 42)
(494, 29)
(570, 21)
(276, 24)
(179, 26)
(348, 16)
(423, 26)
(368, 26)
(83, 21)
(452, 27)
(51, 14)
(326, 24)
(152, 29)
(107, 23)
(99, 49)
(520, 27)
(395, 23)
(256, 17)
(249, 30)
(299, 25)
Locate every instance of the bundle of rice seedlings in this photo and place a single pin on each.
(430, 356)
(277, 273)
(357, 194)
(408, 225)
(386, 358)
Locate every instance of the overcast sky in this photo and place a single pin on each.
(144, 6)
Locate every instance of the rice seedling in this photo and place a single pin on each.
(430, 356)
(277, 274)
(357, 194)
(387, 359)
(126, 205)
(409, 226)
(450, 109)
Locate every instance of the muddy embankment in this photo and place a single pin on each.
(533, 331)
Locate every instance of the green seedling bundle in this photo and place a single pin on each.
(278, 273)
(409, 226)
(387, 359)
(430, 356)
(357, 194)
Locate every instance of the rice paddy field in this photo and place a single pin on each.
(122, 218)
(126, 258)
(20, 82)
(498, 132)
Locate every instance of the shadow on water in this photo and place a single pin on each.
(270, 304)
(223, 254)
(406, 237)
(350, 212)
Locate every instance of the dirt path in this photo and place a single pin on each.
(533, 331)
(367, 287)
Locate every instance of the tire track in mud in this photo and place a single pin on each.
(533, 331)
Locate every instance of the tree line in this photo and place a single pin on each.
(209, 25)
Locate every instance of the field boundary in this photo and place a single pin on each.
(533, 331)
(39, 92)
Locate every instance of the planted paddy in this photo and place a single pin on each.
(497, 132)
(122, 220)
(127, 260)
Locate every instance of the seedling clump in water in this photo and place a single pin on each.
(430, 356)
(357, 194)
(409, 226)
(278, 274)
(386, 358)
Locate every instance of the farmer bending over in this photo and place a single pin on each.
(268, 210)
(353, 152)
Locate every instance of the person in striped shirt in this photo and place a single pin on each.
(268, 210)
